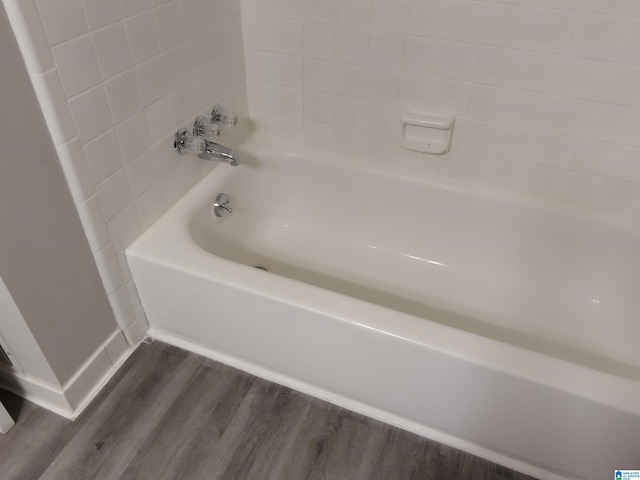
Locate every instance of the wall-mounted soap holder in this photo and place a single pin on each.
(427, 132)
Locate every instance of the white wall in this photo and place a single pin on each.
(55, 317)
(26, 355)
(115, 79)
(545, 91)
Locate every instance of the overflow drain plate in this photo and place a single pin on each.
(259, 267)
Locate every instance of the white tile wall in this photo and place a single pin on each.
(115, 79)
(546, 93)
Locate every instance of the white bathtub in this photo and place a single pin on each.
(497, 324)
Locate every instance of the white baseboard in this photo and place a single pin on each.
(71, 399)
(46, 395)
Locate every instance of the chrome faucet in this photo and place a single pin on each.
(215, 151)
(198, 139)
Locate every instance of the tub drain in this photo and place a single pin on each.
(259, 267)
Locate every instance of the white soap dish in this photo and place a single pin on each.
(427, 132)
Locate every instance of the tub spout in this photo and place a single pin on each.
(215, 151)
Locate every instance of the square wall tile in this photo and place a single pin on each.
(131, 7)
(124, 228)
(508, 25)
(122, 94)
(381, 85)
(77, 65)
(582, 189)
(551, 30)
(569, 116)
(319, 41)
(609, 123)
(133, 137)
(390, 16)
(114, 194)
(346, 141)
(594, 157)
(259, 65)
(316, 135)
(627, 166)
(581, 78)
(318, 74)
(141, 173)
(421, 56)
(347, 112)
(385, 51)
(354, 13)
(287, 36)
(528, 109)
(597, 36)
(464, 21)
(169, 25)
(620, 196)
(498, 66)
(100, 13)
(489, 103)
(62, 19)
(539, 72)
(621, 85)
(543, 181)
(481, 136)
(348, 80)
(426, 19)
(103, 156)
(458, 61)
(320, 11)
(518, 143)
(379, 118)
(149, 206)
(159, 118)
(256, 32)
(318, 107)
(91, 114)
(112, 50)
(143, 36)
(287, 101)
(351, 45)
(555, 150)
(416, 92)
(288, 70)
(152, 84)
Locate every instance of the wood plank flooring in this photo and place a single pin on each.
(172, 415)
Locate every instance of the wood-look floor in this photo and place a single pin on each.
(170, 414)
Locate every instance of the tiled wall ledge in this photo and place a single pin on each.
(115, 79)
(544, 92)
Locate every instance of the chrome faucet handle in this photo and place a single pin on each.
(204, 128)
(220, 117)
(185, 143)
(221, 205)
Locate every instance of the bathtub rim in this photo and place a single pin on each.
(173, 229)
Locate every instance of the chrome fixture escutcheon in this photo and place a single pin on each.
(221, 205)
